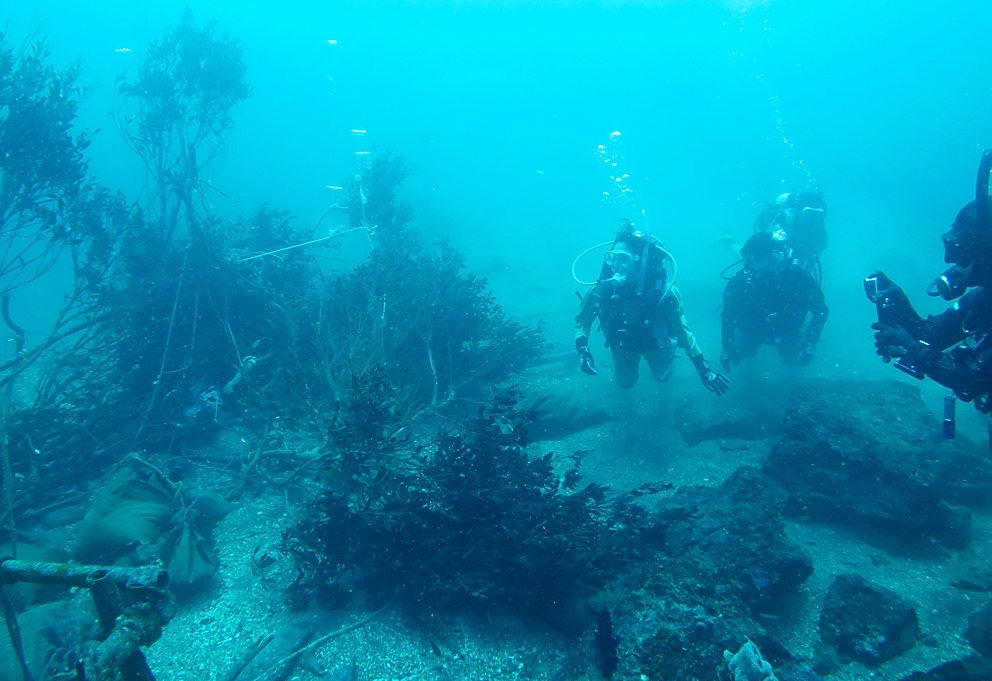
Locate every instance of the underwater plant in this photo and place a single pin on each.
(42, 166)
(77, 409)
(176, 116)
(48, 204)
(414, 309)
(467, 520)
(51, 212)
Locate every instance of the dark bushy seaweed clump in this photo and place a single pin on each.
(469, 520)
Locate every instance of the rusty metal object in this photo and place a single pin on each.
(133, 604)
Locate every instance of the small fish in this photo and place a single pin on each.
(122, 49)
(540, 172)
(332, 42)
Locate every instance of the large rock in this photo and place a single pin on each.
(971, 669)
(867, 623)
(732, 540)
(727, 568)
(979, 632)
(972, 575)
(869, 455)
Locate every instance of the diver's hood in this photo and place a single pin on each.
(974, 223)
(974, 220)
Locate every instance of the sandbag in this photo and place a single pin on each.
(128, 512)
(192, 560)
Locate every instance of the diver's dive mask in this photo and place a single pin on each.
(963, 242)
(621, 263)
(619, 259)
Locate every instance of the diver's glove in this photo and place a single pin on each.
(892, 341)
(587, 364)
(893, 303)
(914, 357)
(806, 355)
(713, 381)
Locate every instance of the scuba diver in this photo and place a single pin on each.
(954, 348)
(640, 313)
(773, 300)
(801, 217)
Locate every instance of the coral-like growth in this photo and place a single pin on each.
(747, 664)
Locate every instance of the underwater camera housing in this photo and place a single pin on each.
(889, 312)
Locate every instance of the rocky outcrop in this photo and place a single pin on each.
(979, 632)
(731, 539)
(867, 623)
(726, 568)
(971, 669)
(869, 455)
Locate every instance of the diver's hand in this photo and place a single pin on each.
(891, 340)
(715, 382)
(806, 355)
(894, 304)
(587, 364)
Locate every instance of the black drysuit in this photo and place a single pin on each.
(785, 309)
(958, 350)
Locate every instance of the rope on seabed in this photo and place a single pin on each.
(324, 639)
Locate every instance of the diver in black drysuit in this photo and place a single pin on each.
(954, 348)
(774, 301)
